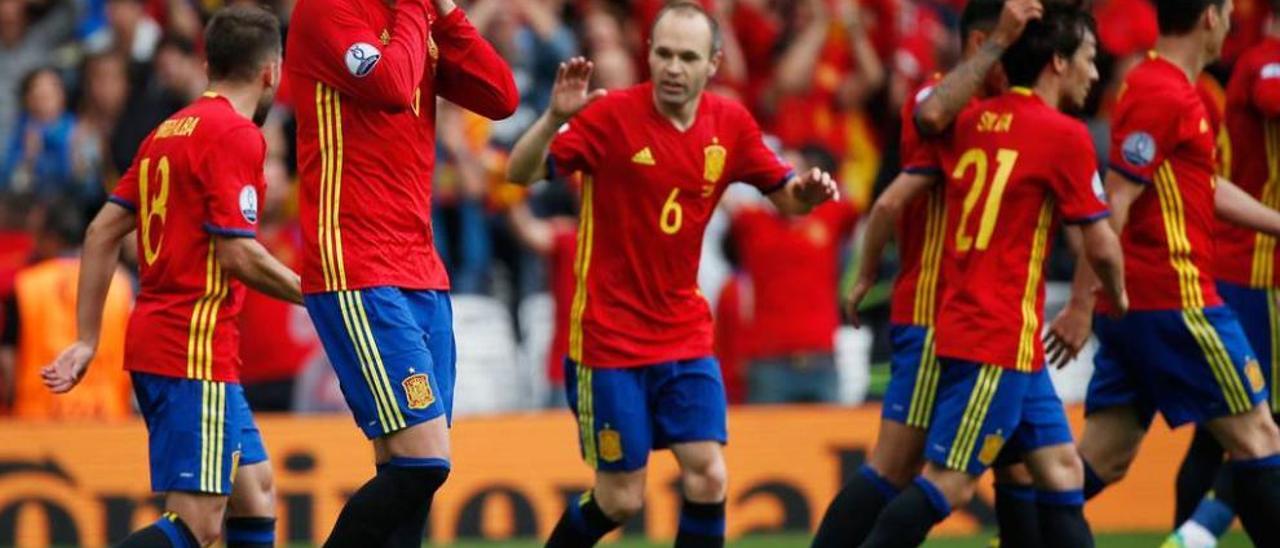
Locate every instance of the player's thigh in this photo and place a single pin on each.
(619, 494)
(1043, 438)
(956, 485)
(433, 311)
(1110, 440)
(1256, 309)
(913, 377)
(1251, 435)
(1116, 381)
(688, 402)
(253, 492)
(978, 406)
(898, 453)
(1203, 367)
(702, 470)
(193, 435)
(203, 513)
(381, 357)
(612, 411)
(423, 440)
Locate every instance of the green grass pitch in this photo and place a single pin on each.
(1130, 540)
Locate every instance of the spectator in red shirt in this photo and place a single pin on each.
(794, 267)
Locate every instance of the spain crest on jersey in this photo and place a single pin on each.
(991, 446)
(1254, 372)
(418, 391)
(610, 445)
(713, 161)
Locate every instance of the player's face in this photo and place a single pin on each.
(270, 83)
(1220, 19)
(1081, 73)
(680, 58)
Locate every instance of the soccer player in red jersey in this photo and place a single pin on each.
(1007, 189)
(192, 195)
(655, 159)
(1247, 279)
(1179, 350)
(365, 75)
(898, 454)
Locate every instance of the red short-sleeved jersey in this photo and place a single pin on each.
(364, 78)
(649, 190)
(1007, 187)
(916, 289)
(1161, 137)
(794, 265)
(1251, 153)
(198, 175)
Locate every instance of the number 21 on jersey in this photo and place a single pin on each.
(976, 160)
(153, 205)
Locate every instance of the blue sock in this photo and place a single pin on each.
(1213, 515)
(1093, 483)
(1072, 497)
(176, 531)
(881, 484)
(251, 532)
(936, 499)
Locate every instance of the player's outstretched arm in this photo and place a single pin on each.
(569, 95)
(880, 224)
(936, 113)
(340, 47)
(98, 263)
(470, 73)
(1236, 206)
(804, 192)
(1105, 256)
(248, 261)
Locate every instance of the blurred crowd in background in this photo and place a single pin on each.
(82, 82)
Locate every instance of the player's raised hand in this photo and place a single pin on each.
(68, 368)
(1068, 332)
(1014, 18)
(855, 298)
(816, 186)
(569, 94)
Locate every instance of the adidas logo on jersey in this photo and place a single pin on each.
(644, 157)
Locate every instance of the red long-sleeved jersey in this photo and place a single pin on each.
(364, 78)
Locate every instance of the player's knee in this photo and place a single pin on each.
(1013, 474)
(706, 483)
(1060, 469)
(1254, 436)
(896, 469)
(207, 527)
(620, 502)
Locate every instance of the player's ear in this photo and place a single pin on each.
(716, 59)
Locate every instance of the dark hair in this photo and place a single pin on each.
(239, 40)
(29, 80)
(686, 7)
(1180, 16)
(1275, 8)
(1059, 32)
(178, 42)
(64, 220)
(979, 14)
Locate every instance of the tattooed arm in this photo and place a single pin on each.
(935, 114)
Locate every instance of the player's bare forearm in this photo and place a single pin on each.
(98, 261)
(884, 217)
(1106, 258)
(1237, 207)
(534, 233)
(528, 161)
(936, 113)
(1084, 283)
(251, 263)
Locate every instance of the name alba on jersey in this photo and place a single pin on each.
(361, 58)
